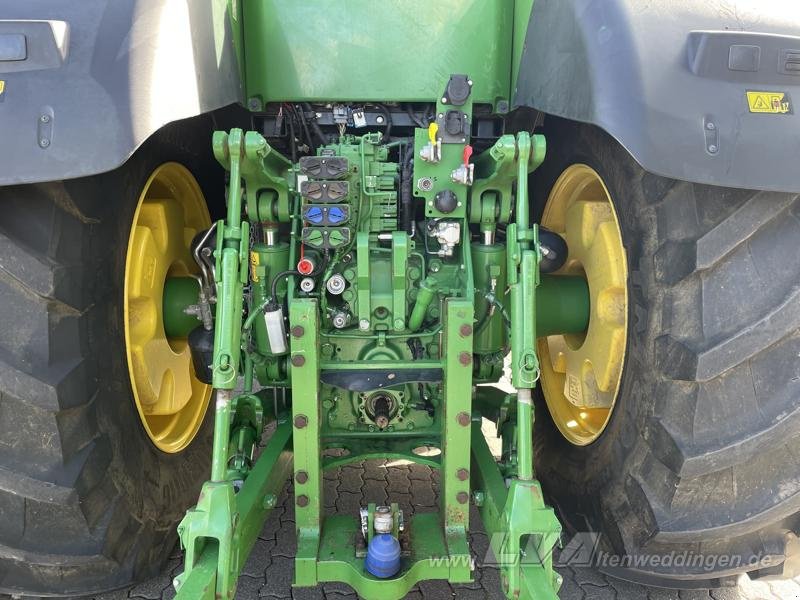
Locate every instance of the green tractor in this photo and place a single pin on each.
(248, 241)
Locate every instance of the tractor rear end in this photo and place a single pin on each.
(342, 267)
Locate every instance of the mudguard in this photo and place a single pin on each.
(84, 83)
(707, 92)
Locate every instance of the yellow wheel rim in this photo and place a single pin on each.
(170, 400)
(581, 373)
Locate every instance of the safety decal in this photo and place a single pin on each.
(773, 103)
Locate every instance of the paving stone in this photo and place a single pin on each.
(287, 541)
(463, 593)
(569, 587)
(784, 589)
(278, 578)
(247, 587)
(153, 588)
(272, 524)
(338, 596)
(729, 593)
(269, 570)
(337, 587)
(490, 582)
(435, 590)
(627, 590)
(595, 592)
(306, 593)
(259, 559)
(585, 575)
(662, 594)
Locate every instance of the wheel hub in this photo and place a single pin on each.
(581, 372)
(170, 400)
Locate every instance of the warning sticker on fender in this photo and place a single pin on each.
(773, 103)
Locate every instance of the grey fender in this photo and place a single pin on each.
(85, 82)
(668, 79)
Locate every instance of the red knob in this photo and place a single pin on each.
(305, 266)
(467, 154)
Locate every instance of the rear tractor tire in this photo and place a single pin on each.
(671, 427)
(96, 468)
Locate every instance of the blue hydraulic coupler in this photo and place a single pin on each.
(383, 556)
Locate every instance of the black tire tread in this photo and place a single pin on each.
(81, 510)
(708, 460)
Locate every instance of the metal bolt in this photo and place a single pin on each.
(302, 501)
(298, 331)
(465, 358)
(444, 100)
(379, 120)
(44, 142)
(300, 421)
(254, 104)
(462, 497)
(710, 126)
(713, 149)
(298, 360)
(363, 324)
(463, 419)
(465, 330)
(462, 474)
(45, 118)
(301, 477)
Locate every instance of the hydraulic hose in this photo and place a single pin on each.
(406, 204)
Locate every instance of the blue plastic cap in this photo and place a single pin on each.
(383, 556)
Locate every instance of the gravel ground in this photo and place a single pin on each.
(268, 572)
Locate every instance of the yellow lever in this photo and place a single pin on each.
(432, 129)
